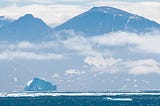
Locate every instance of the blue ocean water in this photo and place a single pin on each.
(68, 99)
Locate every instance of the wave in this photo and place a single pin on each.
(117, 99)
(33, 94)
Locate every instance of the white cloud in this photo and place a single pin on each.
(54, 14)
(9, 55)
(114, 66)
(44, 1)
(144, 43)
(74, 72)
(30, 1)
(80, 44)
(140, 67)
(57, 12)
(100, 62)
(25, 45)
(55, 75)
(38, 1)
(89, 47)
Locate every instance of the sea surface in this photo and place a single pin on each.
(80, 99)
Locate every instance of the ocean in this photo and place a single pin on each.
(80, 99)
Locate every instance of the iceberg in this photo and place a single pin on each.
(39, 85)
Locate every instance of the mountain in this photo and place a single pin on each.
(25, 28)
(96, 21)
(104, 19)
(4, 21)
(38, 85)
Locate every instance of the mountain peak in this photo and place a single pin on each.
(105, 19)
(103, 8)
(107, 9)
(26, 27)
(28, 16)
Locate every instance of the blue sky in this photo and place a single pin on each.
(65, 9)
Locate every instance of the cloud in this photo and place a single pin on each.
(114, 43)
(48, 50)
(55, 75)
(103, 65)
(29, 1)
(80, 44)
(9, 55)
(54, 14)
(100, 62)
(74, 72)
(92, 50)
(144, 43)
(141, 67)
(26, 45)
(44, 2)
(114, 66)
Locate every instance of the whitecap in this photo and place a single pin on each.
(35, 94)
(117, 99)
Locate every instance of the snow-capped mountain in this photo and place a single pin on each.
(25, 28)
(104, 19)
(39, 85)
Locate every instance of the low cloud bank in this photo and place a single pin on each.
(97, 52)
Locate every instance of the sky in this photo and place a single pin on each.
(55, 12)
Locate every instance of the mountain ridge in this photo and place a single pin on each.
(95, 21)
(4, 21)
(104, 19)
(26, 27)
